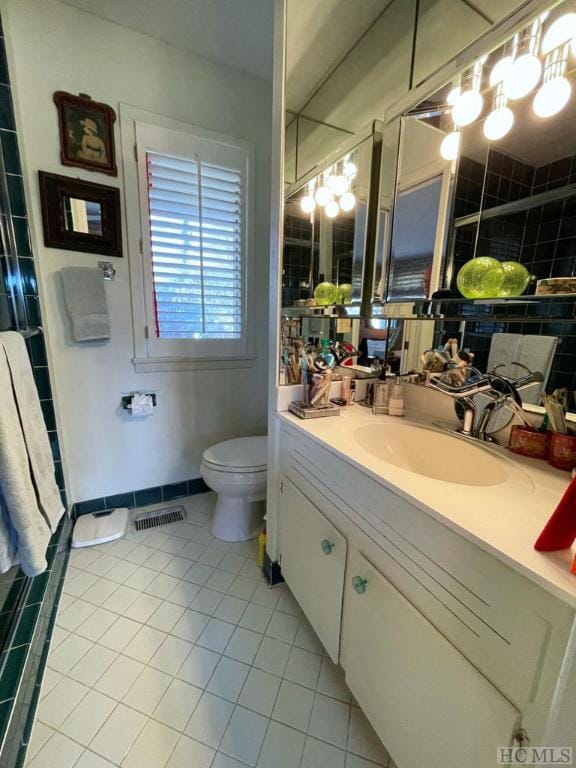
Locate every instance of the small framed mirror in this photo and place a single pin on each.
(80, 215)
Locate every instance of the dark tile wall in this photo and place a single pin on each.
(298, 235)
(27, 606)
(142, 497)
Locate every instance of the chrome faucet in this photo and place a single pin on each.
(463, 392)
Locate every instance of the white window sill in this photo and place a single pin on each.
(172, 364)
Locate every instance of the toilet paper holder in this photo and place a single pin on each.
(126, 400)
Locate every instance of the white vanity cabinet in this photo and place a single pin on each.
(429, 705)
(313, 563)
(448, 650)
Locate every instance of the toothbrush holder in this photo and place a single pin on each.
(562, 452)
(528, 442)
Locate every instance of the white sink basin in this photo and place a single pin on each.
(433, 454)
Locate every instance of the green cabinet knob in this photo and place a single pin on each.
(327, 546)
(359, 585)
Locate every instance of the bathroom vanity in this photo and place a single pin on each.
(411, 553)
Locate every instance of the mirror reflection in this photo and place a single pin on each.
(83, 216)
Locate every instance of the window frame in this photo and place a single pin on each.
(141, 132)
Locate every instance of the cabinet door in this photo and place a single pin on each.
(427, 703)
(313, 558)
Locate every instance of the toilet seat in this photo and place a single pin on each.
(243, 454)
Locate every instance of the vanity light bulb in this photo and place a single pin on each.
(552, 97)
(349, 169)
(339, 185)
(307, 204)
(331, 209)
(322, 195)
(347, 201)
(498, 123)
(559, 32)
(450, 146)
(452, 97)
(523, 76)
(467, 108)
(500, 70)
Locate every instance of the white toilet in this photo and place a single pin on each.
(236, 471)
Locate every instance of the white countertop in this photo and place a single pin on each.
(504, 520)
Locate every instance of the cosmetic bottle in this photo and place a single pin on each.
(381, 398)
(396, 402)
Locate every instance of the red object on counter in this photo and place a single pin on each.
(560, 530)
(573, 566)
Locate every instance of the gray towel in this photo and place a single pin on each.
(30, 505)
(534, 352)
(85, 300)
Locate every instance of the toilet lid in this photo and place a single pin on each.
(241, 453)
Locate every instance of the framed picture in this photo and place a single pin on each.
(80, 215)
(86, 132)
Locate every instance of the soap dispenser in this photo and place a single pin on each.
(381, 402)
(396, 402)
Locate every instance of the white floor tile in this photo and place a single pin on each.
(80, 583)
(50, 680)
(96, 625)
(58, 636)
(162, 586)
(142, 608)
(318, 754)
(354, 761)
(303, 667)
(282, 747)
(141, 577)
(228, 679)
(158, 560)
(93, 665)
(242, 587)
(231, 609)
(198, 666)
(331, 681)
(101, 565)
(192, 551)
(272, 656)
(177, 567)
(329, 720)
(190, 754)
(152, 748)
(243, 645)
(139, 554)
(267, 596)
(184, 593)
(78, 612)
(99, 591)
(232, 563)
(206, 601)
(170, 655)
(91, 760)
(190, 625)
(58, 751)
(288, 604)
(88, 717)
(293, 705)
(211, 556)
(244, 735)
(282, 626)
(144, 644)
(119, 732)
(80, 558)
(122, 571)
(40, 735)
(120, 600)
(119, 676)
(306, 638)
(225, 761)
(216, 635)
(363, 741)
(57, 705)
(210, 719)
(220, 580)
(119, 634)
(199, 574)
(165, 616)
(147, 690)
(177, 704)
(260, 691)
(69, 652)
(256, 618)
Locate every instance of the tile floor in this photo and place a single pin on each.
(170, 651)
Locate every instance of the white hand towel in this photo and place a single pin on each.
(30, 505)
(85, 300)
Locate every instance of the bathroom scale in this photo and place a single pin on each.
(100, 527)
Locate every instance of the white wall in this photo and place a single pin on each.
(55, 47)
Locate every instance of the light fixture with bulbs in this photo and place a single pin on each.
(331, 190)
(556, 89)
(468, 102)
(524, 73)
(500, 120)
(450, 145)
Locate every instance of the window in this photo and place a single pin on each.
(194, 201)
(195, 231)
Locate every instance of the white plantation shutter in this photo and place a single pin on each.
(195, 235)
